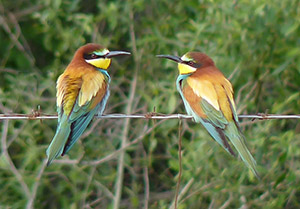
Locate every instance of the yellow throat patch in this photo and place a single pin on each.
(185, 69)
(102, 63)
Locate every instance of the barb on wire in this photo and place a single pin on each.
(157, 116)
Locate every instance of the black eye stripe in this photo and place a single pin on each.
(91, 56)
(192, 64)
(188, 62)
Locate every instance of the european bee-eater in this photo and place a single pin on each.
(208, 97)
(82, 91)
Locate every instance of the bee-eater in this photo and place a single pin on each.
(208, 97)
(82, 91)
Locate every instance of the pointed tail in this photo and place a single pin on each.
(57, 144)
(238, 141)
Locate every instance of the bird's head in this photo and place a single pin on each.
(190, 61)
(97, 55)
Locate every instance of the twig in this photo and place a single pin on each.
(185, 189)
(35, 186)
(154, 197)
(234, 72)
(207, 185)
(15, 37)
(94, 202)
(27, 11)
(10, 162)
(105, 190)
(9, 70)
(245, 86)
(157, 116)
(115, 153)
(120, 171)
(89, 180)
(146, 180)
(16, 134)
(91, 129)
(180, 163)
(249, 94)
(227, 203)
(67, 161)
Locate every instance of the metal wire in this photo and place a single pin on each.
(157, 116)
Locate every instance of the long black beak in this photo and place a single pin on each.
(171, 57)
(116, 53)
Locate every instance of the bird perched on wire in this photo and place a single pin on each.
(82, 91)
(208, 97)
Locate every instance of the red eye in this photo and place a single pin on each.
(189, 63)
(93, 56)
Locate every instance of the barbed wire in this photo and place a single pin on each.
(151, 115)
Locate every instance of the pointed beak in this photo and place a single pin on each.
(171, 57)
(116, 53)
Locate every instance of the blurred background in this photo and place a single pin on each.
(256, 44)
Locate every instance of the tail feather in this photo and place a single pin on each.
(57, 144)
(237, 139)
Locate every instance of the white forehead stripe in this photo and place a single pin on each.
(185, 58)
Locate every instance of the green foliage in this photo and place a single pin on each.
(257, 40)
